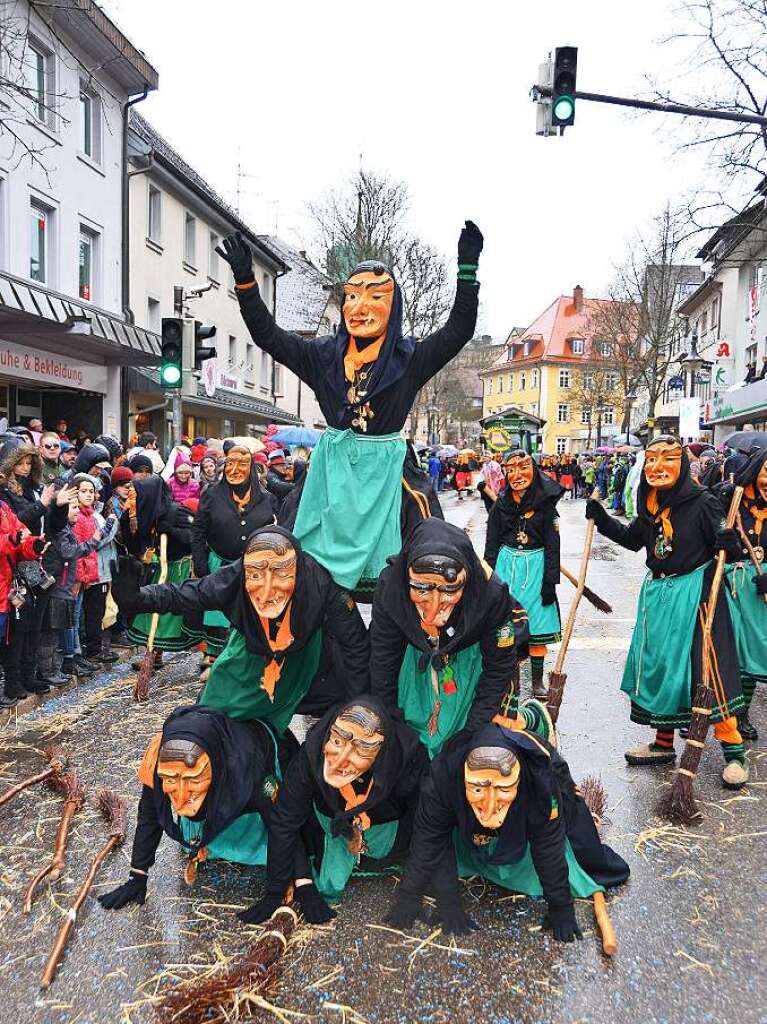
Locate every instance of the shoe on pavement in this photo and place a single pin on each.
(107, 658)
(88, 667)
(735, 775)
(649, 754)
(8, 702)
(122, 642)
(37, 688)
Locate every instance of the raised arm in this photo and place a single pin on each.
(215, 592)
(630, 537)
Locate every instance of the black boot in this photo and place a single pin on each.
(107, 656)
(83, 666)
(747, 730)
(539, 687)
(47, 671)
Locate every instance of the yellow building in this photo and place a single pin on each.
(559, 369)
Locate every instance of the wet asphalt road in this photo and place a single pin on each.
(691, 920)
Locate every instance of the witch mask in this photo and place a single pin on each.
(761, 481)
(491, 782)
(270, 564)
(186, 774)
(663, 463)
(237, 466)
(354, 742)
(518, 469)
(368, 297)
(436, 585)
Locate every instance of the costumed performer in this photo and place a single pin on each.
(503, 805)
(283, 608)
(446, 636)
(350, 797)
(228, 513)
(366, 377)
(522, 545)
(681, 527)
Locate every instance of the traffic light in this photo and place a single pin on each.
(202, 332)
(171, 347)
(563, 86)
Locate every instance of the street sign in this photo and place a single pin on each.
(676, 383)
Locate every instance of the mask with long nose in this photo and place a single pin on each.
(436, 584)
(237, 466)
(663, 463)
(270, 564)
(352, 745)
(491, 782)
(518, 470)
(186, 774)
(368, 298)
(761, 481)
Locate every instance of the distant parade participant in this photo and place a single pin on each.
(503, 806)
(292, 629)
(228, 513)
(681, 527)
(349, 797)
(445, 638)
(366, 377)
(747, 588)
(522, 546)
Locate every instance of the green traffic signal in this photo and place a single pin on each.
(171, 348)
(563, 87)
(170, 374)
(564, 108)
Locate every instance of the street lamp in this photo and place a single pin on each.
(693, 362)
(629, 399)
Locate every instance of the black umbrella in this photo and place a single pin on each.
(745, 440)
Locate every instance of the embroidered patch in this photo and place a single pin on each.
(270, 787)
(505, 635)
(481, 840)
(554, 810)
(348, 600)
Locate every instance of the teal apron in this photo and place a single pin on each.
(244, 841)
(172, 632)
(522, 570)
(748, 612)
(349, 515)
(215, 621)
(437, 704)
(658, 672)
(234, 683)
(522, 876)
(338, 864)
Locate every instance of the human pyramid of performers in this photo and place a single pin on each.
(422, 758)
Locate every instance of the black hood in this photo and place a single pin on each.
(154, 507)
(684, 490)
(89, 455)
(532, 808)
(399, 748)
(746, 476)
(238, 764)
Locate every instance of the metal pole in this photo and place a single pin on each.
(175, 398)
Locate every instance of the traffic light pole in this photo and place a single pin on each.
(545, 92)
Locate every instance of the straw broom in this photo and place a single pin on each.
(114, 811)
(750, 548)
(558, 678)
(595, 798)
(591, 596)
(71, 788)
(220, 993)
(141, 687)
(678, 805)
(57, 761)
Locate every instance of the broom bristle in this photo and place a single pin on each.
(69, 785)
(114, 811)
(141, 687)
(57, 758)
(557, 682)
(594, 796)
(678, 805)
(599, 603)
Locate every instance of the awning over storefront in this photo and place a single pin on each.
(33, 315)
(738, 405)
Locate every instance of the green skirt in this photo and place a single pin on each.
(522, 570)
(349, 515)
(338, 864)
(173, 634)
(234, 683)
(748, 612)
(658, 671)
(215, 623)
(436, 716)
(522, 876)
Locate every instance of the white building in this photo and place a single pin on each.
(66, 77)
(176, 222)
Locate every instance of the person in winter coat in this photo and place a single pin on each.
(50, 450)
(278, 480)
(93, 570)
(182, 486)
(502, 804)
(209, 469)
(445, 638)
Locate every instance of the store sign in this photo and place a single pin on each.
(689, 417)
(747, 401)
(228, 382)
(209, 377)
(30, 364)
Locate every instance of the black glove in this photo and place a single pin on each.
(133, 891)
(729, 542)
(548, 593)
(404, 911)
(595, 510)
(470, 245)
(453, 917)
(237, 253)
(262, 910)
(561, 921)
(38, 545)
(313, 906)
(760, 582)
(127, 573)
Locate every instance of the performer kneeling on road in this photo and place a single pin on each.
(445, 637)
(681, 527)
(502, 804)
(350, 796)
(522, 546)
(209, 783)
(284, 609)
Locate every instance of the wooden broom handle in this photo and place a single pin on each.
(570, 624)
(721, 557)
(161, 579)
(605, 925)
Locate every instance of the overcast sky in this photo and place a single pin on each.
(435, 94)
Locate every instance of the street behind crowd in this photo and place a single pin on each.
(688, 921)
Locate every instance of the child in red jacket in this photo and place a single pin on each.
(16, 544)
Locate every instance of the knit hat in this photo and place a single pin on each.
(139, 463)
(182, 459)
(277, 457)
(121, 475)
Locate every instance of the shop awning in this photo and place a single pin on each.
(747, 403)
(31, 314)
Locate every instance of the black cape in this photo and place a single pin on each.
(507, 520)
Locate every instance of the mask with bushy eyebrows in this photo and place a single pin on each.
(352, 745)
(270, 564)
(491, 782)
(186, 774)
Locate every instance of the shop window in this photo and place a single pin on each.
(154, 214)
(41, 223)
(90, 123)
(88, 265)
(561, 445)
(190, 240)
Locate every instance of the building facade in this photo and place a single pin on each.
(67, 76)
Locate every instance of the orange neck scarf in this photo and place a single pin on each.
(284, 639)
(242, 502)
(355, 359)
(759, 514)
(665, 516)
(432, 631)
(354, 800)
